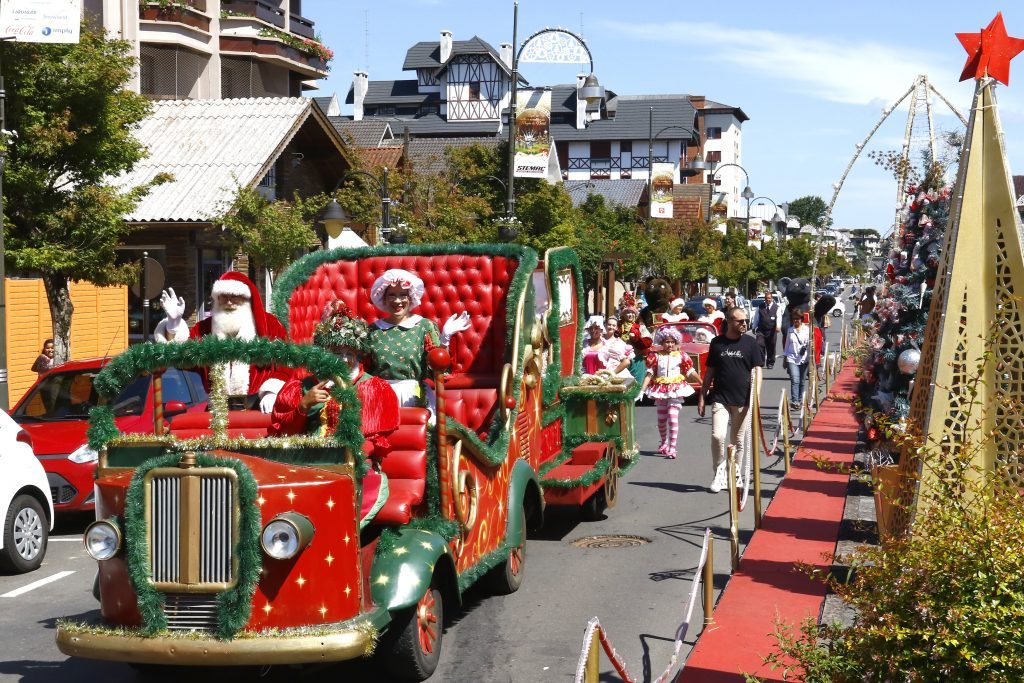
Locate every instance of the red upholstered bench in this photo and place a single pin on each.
(471, 400)
(405, 465)
(248, 424)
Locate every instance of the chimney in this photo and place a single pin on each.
(446, 46)
(360, 84)
(581, 103)
(506, 54)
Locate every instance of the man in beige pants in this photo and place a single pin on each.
(727, 384)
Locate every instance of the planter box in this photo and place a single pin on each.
(886, 479)
(270, 47)
(256, 9)
(182, 15)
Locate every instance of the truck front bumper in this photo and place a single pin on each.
(191, 649)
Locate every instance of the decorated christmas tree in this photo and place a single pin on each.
(896, 326)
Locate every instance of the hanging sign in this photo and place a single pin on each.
(755, 233)
(661, 189)
(533, 133)
(41, 21)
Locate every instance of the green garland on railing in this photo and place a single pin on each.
(597, 394)
(234, 605)
(208, 352)
(600, 468)
(549, 415)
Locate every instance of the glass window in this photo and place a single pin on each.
(714, 133)
(70, 395)
(474, 90)
(175, 387)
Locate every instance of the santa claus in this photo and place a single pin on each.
(238, 313)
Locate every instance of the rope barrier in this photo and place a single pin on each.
(588, 669)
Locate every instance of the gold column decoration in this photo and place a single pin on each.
(982, 272)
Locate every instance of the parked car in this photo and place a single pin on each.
(55, 413)
(26, 511)
(837, 311)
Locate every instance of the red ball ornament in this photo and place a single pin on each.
(439, 358)
(510, 402)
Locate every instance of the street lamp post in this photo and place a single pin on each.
(775, 218)
(747, 193)
(335, 215)
(591, 91)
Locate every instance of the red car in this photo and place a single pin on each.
(55, 413)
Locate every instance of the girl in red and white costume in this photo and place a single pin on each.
(666, 382)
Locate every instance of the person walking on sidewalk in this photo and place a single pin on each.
(796, 358)
(732, 357)
(766, 325)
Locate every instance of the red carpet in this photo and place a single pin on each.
(800, 525)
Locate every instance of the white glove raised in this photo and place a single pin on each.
(174, 306)
(454, 325)
(267, 403)
(172, 328)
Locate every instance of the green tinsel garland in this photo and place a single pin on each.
(560, 259)
(435, 524)
(233, 606)
(597, 394)
(486, 564)
(600, 468)
(209, 352)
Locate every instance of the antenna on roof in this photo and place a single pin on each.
(581, 23)
(366, 40)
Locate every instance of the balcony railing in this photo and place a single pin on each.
(188, 12)
(264, 47)
(301, 26)
(258, 9)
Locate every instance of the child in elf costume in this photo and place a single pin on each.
(306, 406)
(400, 340)
(666, 382)
(634, 333)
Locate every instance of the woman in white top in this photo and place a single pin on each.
(712, 314)
(616, 355)
(797, 355)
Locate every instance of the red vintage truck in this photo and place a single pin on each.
(218, 544)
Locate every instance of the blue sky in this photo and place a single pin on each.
(813, 77)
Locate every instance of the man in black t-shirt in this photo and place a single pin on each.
(727, 385)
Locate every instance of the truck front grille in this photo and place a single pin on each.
(191, 612)
(192, 521)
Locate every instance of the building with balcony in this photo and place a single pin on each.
(462, 89)
(214, 49)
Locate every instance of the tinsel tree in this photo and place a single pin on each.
(896, 326)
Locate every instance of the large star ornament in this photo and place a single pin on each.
(989, 51)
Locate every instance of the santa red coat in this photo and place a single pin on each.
(266, 324)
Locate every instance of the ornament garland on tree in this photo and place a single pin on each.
(896, 325)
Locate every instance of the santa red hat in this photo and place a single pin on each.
(237, 284)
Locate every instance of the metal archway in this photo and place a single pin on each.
(918, 93)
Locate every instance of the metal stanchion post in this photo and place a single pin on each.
(734, 512)
(786, 425)
(755, 451)
(828, 371)
(709, 583)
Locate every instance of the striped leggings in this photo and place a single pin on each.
(668, 422)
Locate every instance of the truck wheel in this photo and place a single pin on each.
(594, 507)
(413, 651)
(25, 535)
(507, 577)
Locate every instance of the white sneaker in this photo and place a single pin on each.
(719, 482)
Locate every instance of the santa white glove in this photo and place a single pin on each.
(268, 394)
(172, 327)
(454, 325)
(267, 403)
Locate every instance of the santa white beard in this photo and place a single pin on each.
(236, 324)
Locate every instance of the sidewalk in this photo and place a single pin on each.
(801, 525)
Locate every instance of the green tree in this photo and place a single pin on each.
(811, 210)
(272, 233)
(64, 216)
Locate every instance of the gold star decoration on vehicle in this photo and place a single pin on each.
(330, 503)
(383, 579)
(347, 539)
(301, 581)
(401, 550)
(322, 610)
(261, 500)
(266, 609)
(330, 559)
(348, 591)
(291, 496)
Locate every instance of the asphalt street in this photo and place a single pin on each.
(639, 593)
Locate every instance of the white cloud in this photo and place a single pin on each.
(850, 73)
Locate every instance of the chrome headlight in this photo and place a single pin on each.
(83, 454)
(286, 535)
(102, 540)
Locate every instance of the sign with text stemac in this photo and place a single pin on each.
(533, 133)
(41, 21)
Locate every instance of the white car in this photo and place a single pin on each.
(837, 311)
(26, 510)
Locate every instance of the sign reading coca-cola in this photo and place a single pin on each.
(41, 21)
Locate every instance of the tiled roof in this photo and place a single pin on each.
(393, 92)
(427, 54)
(633, 120)
(427, 155)
(1018, 186)
(369, 132)
(713, 107)
(436, 125)
(381, 156)
(328, 105)
(615, 192)
(210, 147)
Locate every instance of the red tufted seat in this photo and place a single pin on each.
(405, 464)
(249, 424)
(453, 283)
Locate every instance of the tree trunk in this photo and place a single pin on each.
(59, 297)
